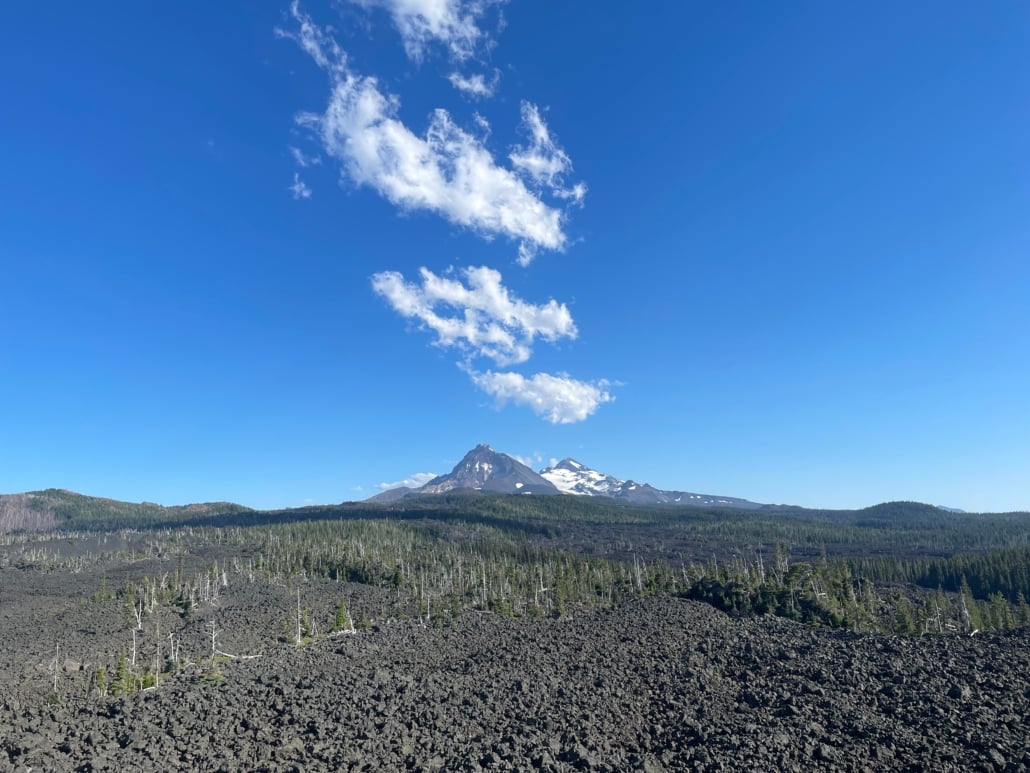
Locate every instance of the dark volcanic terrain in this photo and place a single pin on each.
(659, 683)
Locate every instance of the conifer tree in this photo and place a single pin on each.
(342, 623)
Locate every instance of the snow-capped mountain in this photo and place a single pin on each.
(572, 477)
(484, 469)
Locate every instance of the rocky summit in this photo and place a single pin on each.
(484, 469)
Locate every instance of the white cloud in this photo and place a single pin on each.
(544, 162)
(482, 318)
(302, 160)
(412, 481)
(299, 189)
(446, 170)
(452, 23)
(533, 461)
(316, 42)
(557, 399)
(449, 171)
(474, 85)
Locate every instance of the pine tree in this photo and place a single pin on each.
(1022, 610)
(123, 678)
(343, 621)
(1001, 612)
(101, 681)
(904, 620)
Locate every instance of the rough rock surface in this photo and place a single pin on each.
(659, 684)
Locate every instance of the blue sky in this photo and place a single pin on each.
(285, 254)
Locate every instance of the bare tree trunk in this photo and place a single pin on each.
(57, 666)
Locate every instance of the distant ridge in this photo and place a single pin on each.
(905, 509)
(59, 508)
(484, 469)
(572, 477)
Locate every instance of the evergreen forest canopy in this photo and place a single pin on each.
(901, 566)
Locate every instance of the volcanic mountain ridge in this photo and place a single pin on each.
(484, 469)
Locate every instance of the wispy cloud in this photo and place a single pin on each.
(534, 461)
(481, 318)
(316, 42)
(412, 481)
(543, 161)
(303, 160)
(475, 85)
(299, 189)
(446, 170)
(557, 399)
(455, 24)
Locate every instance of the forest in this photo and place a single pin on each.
(900, 567)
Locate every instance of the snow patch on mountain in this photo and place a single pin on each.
(484, 469)
(571, 477)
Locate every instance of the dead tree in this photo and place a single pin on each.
(173, 650)
(55, 666)
(137, 613)
(214, 638)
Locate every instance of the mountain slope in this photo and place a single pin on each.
(572, 477)
(391, 494)
(61, 509)
(484, 469)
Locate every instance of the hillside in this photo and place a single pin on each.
(903, 529)
(61, 509)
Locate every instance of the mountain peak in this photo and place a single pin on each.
(568, 463)
(483, 469)
(572, 477)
